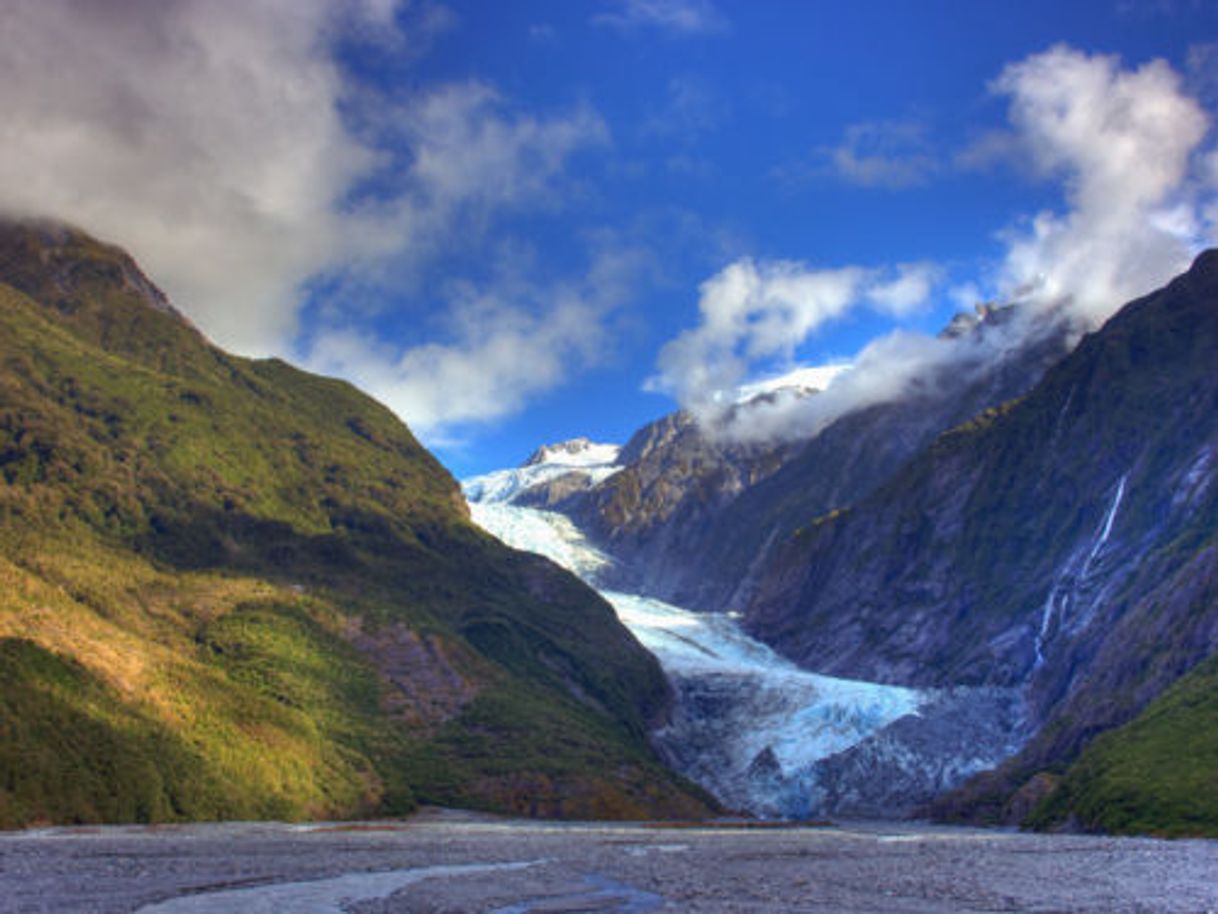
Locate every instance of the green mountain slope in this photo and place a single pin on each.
(229, 588)
(1157, 774)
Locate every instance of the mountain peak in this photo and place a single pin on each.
(98, 293)
(1206, 262)
(800, 382)
(41, 256)
(574, 452)
(985, 314)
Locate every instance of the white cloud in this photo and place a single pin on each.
(453, 157)
(966, 296)
(224, 147)
(998, 146)
(506, 342)
(1121, 141)
(907, 291)
(484, 376)
(678, 17)
(1140, 198)
(1209, 213)
(895, 365)
(204, 137)
(464, 150)
(884, 154)
(753, 314)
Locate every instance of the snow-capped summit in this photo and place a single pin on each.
(801, 380)
(577, 452)
(594, 462)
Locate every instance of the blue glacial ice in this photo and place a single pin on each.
(748, 725)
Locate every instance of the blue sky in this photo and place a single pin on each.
(517, 222)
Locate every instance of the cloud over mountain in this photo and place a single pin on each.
(755, 313)
(333, 181)
(204, 137)
(227, 147)
(503, 343)
(1125, 145)
(1121, 142)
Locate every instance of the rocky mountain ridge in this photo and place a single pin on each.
(574, 452)
(1064, 544)
(1037, 543)
(692, 515)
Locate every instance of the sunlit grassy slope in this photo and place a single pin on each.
(229, 588)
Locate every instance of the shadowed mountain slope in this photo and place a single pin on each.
(1067, 542)
(692, 516)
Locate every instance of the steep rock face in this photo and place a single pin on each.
(1065, 541)
(674, 479)
(1150, 773)
(234, 589)
(692, 517)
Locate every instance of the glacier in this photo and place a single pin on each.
(748, 725)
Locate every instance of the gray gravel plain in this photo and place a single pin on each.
(444, 862)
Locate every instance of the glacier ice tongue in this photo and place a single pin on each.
(748, 725)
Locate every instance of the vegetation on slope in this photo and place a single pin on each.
(1156, 775)
(232, 589)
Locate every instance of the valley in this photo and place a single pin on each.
(630, 455)
(764, 736)
(452, 863)
(251, 593)
(1027, 555)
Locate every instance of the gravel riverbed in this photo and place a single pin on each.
(459, 863)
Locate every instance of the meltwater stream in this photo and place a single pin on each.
(748, 725)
